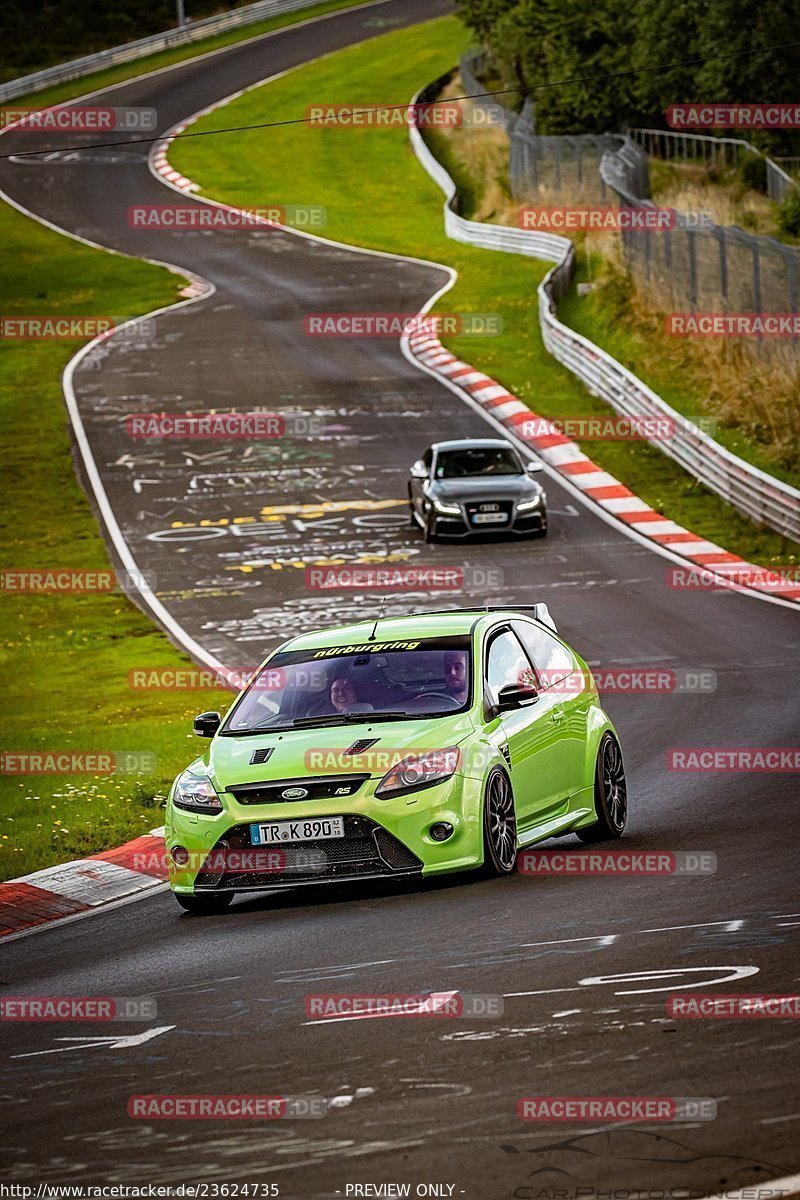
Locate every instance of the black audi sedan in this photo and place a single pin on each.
(475, 486)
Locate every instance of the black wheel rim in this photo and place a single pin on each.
(614, 789)
(502, 823)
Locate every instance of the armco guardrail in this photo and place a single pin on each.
(180, 36)
(760, 496)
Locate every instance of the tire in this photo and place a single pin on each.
(412, 520)
(610, 794)
(499, 825)
(206, 905)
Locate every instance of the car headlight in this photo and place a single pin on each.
(534, 502)
(450, 509)
(418, 771)
(196, 793)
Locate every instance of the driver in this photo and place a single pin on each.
(455, 675)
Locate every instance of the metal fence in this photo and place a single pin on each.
(472, 68)
(703, 267)
(548, 168)
(715, 152)
(766, 500)
(180, 36)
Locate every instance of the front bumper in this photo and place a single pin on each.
(383, 839)
(463, 525)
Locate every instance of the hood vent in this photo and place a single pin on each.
(361, 745)
(261, 756)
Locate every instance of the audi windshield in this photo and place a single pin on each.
(341, 683)
(487, 460)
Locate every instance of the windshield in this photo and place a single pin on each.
(338, 684)
(488, 460)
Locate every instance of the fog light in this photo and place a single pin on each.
(180, 855)
(441, 831)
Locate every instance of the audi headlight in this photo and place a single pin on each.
(534, 502)
(196, 793)
(450, 509)
(418, 771)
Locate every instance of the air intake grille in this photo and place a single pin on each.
(261, 756)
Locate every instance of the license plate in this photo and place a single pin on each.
(489, 518)
(310, 830)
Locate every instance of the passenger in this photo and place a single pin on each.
(343, 694)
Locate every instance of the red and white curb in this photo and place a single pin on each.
(74, 888)
(595, 484)
(161, 166)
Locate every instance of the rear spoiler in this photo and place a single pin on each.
(539, 612)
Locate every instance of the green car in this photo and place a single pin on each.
(401, 747)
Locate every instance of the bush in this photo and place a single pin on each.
(754, 173)
(790, 212)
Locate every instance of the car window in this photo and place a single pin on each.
(486, 460)
(506, 663)
(427, 458)
(553, 661)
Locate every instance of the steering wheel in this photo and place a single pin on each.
(439, 696)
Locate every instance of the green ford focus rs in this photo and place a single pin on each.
(408, 746)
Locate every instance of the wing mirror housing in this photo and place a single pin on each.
(206, 724)
(419, 470)
(534, 467)
(513, 696)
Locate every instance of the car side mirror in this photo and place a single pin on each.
(207, 724)
(419, 470)
(534, 467)
(513, 696)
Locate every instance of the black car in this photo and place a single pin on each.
(476, 486)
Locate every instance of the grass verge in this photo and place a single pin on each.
(66, 657)
(378, 196)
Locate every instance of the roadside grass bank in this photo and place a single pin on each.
(66, 658)
(166, 58)
(377, 196)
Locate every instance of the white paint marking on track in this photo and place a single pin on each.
(101, 1043)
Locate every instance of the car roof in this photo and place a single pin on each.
(473, 444)
(450, 623)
